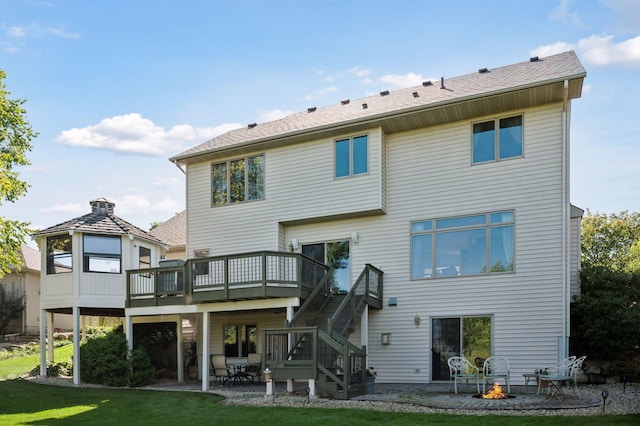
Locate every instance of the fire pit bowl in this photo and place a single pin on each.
(479, 395)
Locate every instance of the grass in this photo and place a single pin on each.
(11, 368)
(29, 403)
(23, 402)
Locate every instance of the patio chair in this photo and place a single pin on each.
(253, 370)
(561, 369)
(494, 368)
(219, 369)
(461, 369)
(575, 369)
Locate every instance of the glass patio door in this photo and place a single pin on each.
(469, 337)
(335, 254)
(445, 343)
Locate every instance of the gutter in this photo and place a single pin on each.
(377, 117)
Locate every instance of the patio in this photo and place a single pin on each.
(417, 397)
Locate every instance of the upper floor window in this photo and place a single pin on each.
(489, 144)
(144, 257)
(467, 245)
(237, 181)
(59, 254)
(102, 253)
(352, 156)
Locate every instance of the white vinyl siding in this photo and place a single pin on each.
(429, 174)
(300, 186)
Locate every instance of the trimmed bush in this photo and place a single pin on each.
(104, 360)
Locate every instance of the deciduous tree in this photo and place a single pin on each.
(611, 241)
(15, 141)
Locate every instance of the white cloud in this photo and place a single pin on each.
(74, 209)
(628, 11)
(162, 182)
(129, 207)
(563, 13)
(598, 50)
(133, 134)
(272, 115)
(16, 32)
(59, 32)
(552, 49)
(321, 93)
(357, 72)
(400, 81)
(603, 51)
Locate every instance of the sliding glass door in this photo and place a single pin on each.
(336, 255)
(469, 337)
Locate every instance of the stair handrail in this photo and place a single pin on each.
(321, 290)
(351, 299)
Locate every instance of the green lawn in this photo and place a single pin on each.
(11, 368)
(23, 402)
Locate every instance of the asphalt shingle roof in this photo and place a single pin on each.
(173, 231)
(496, 80)
(100, 224)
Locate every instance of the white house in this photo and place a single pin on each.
(391, 231)
(84, 262)
(454, 194)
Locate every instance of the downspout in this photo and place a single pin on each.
(564, 347)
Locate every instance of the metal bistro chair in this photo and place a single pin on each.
(575, 368)
(560, 370)
(219, 369)
(461, 369)
(496, 367)
(253, 370)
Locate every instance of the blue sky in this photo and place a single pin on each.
(115, 88)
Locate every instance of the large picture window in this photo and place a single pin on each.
(467, 245)
(59, 254)
(352, 156)
(489, 144)
(237, 181)
(102, 253)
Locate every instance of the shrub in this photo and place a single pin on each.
(606, 315)
(64, 368)
(104, 360)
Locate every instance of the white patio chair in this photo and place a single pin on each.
(561, 369)
(494, 368)
(461, 369)
(575, 369)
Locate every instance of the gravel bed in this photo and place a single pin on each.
(618, 402)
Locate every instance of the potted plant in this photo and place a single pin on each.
(369, 380)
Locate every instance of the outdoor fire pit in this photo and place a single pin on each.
(496, 393)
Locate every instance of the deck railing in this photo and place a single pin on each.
(243, 276)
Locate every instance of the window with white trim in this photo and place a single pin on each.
(59, 254)
(466, 245)
(352, 156)
(237, 181)
(489, 144)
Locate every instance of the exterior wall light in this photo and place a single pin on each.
(417, 320)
